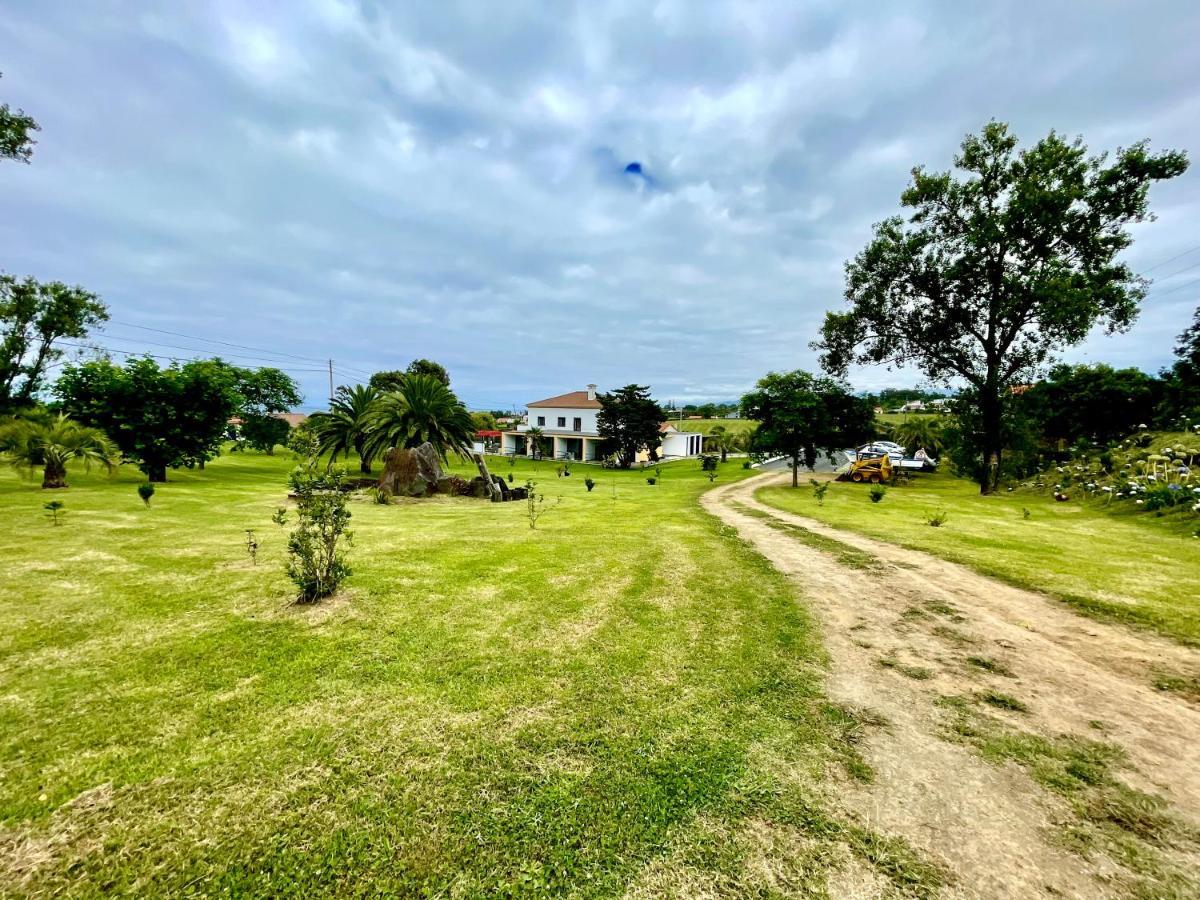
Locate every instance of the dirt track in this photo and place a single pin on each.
(901, 633)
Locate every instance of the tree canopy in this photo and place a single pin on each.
(16, 134)
(997, 268)
(346, 427)
(1093, 402)
(393, 379)
(1181, 383)
(51, 442)
(33, 317)
(629, 421)
(801, 415)
(422, 409)
(159, 417)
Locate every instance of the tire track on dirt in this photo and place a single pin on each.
(992, 825)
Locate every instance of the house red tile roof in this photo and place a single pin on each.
(573, 400)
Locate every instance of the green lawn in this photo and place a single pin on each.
(1132, 568)
(705, 426)
(626, 698)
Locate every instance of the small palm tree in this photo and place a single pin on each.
(346, 428)
(916, 432)
(51, 443)
(722, 439)
(421, 409)
(538, 437)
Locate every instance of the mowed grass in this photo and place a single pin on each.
(625, 700)
(705, 426)
(1134, 569)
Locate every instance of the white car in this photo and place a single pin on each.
(882, 448)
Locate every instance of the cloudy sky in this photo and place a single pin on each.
(540, 195)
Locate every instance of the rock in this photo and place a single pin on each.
(409, 472)
(518, 493)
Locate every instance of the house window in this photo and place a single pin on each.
(562, 421)
(541, 421)
(578, 422)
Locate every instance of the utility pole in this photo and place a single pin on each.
(331, 379)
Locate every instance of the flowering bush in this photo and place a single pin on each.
(1148, 472)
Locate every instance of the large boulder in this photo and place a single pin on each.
(410, 472)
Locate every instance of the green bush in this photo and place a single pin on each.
(876, 492)
(316, 561)
(146, 491)
(589, 484)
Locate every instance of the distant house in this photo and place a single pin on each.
(567, 423)
(913, 406)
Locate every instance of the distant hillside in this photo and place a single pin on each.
(705, 426)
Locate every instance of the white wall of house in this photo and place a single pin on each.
(681, 443)
(549, 418)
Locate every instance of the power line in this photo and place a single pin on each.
(131, 340)
(98, 348)
(194, 337)
(1178, 287)
(1181, 271)
(1171, 260)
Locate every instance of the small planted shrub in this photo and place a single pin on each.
(819, 490)
(146, 491)
(712, 475)
(938, 519)
(1025, 513)
(316, 557)
(709, 463)
(566, 469)
(589, 484)
(380, 496)
(745, 464)
(55, 509)
(876, 492)
(252, 546)
(279, 517)
(510, 477)
(535, 503)
(651, 480)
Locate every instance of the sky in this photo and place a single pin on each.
(543, 195)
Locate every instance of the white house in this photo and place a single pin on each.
(567, 423)
(676, 443)
(568, 426)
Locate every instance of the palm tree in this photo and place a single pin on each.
(721, 438)
(916, 432)
(346, 428)
(51, 443)
(536, 435)
(421, 409)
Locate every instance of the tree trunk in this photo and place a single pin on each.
(989, 476)
(724, 454)
(156, 472)
(364, 466)
(55, 476)
(796, 470)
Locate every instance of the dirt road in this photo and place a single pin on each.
(1025, 748)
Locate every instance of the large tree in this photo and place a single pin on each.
(16, 134)
(393, 380)
(801, 415)
(998, 268)
(263, 393)
(629, 421)
(159, 417)
(33, 316)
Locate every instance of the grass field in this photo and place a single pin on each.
(1131, 568)
(705, 426)
(624, 700)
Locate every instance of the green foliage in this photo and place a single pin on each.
(33, 315)
(50, 443)
(484, 421)
(998, 269)
(651, 480)
(876, 492)
(800, 414)
(937, 519)
(588, 483)
(422, 409)
(145, 491)
(346, 428)
(55, 509)
(16, 134)
(629, 421)
(159, 417)
(430, 368)
(819, 490)
(921, 432)
(1096, 402)
(316, 548)
(535, 503)
(1181, 383)
(252, 546)
(279, 517)
(263, 433)
(708, 463)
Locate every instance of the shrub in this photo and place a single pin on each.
(708, 463)
(146, 491)
(535, 503)
(252, 546)
(279, 517)
(745, 464)
(938, 519)
(55, 509)
(876, 492)
(819, 490)
(651, 480)
(589, 484)
(316, 561)
(380, 496)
